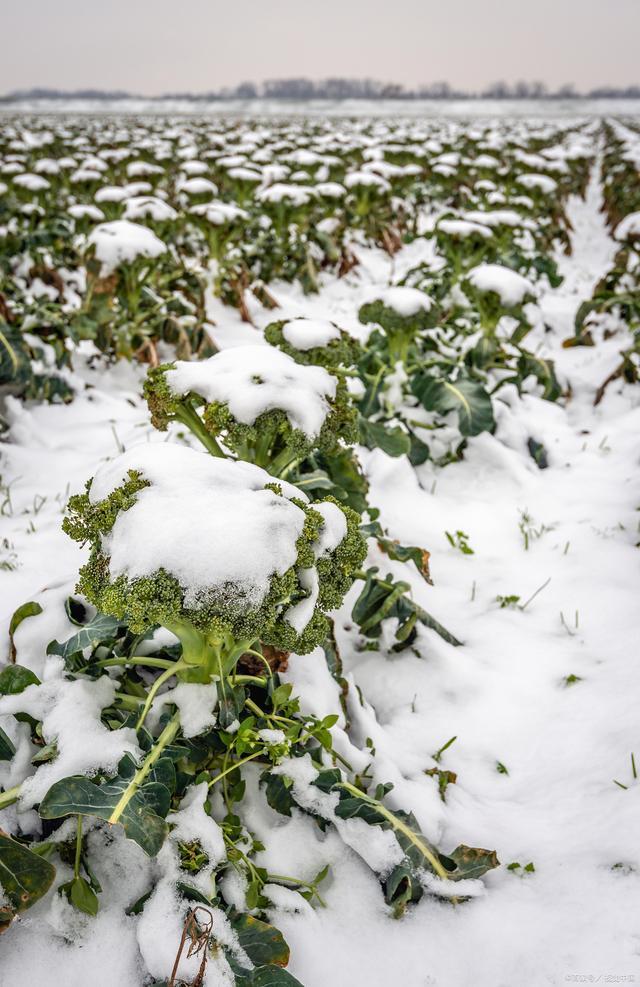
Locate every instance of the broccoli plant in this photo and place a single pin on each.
(403, 314)
(262, 405)
(497, 291)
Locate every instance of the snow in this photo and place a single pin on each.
(148, 207)
(197, 186)
(512, 288)
(70, 715)
(121, 242)
(330, 190)
(196, 704)
(541, 183)
(377, 847)
(219, 213)
(80, 211)
(462, 228)
(628, 228)
(404, 301)
(252, 380)
(193, 823)
(366, 179)
(32, 183)
(281, 192)
(244, 535)
(306, 334)
(300, 614)
(333, 530)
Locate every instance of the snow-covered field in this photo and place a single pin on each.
(542, 700)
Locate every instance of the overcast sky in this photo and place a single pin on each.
(152, 46)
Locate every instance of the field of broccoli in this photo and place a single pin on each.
(319, 496)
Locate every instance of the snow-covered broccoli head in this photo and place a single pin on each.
(265, 407)
(402, 313)
(121, 243)
(214, 550)
(314, 341)
(495, 291)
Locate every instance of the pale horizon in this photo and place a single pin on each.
(144, 47)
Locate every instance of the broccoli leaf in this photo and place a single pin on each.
(263, 943)
(390, 438)
(381, 599)
(465, 396)
(7, 750)
(14, 679)
(143, 816)
(24, 877)
(101, 628)
(30, 609)
(469, 862)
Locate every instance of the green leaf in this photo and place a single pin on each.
(396, 551)
(14, 679)
(390, 438)
(81, 895)
(466, 397)
(7, 749)
(24, 876)
(143, 817)
(263, 943)
(15, 360)
(381, 599)
(30, 609)
(538, 453)
(101, 628)
(469, 862)
(419, 452)
(231, 702)
(278, 793)
(273, 976)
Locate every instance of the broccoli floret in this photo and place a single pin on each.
(330, 346)
(152, 564)
(259, 402)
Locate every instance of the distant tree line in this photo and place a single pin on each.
(338, 89)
